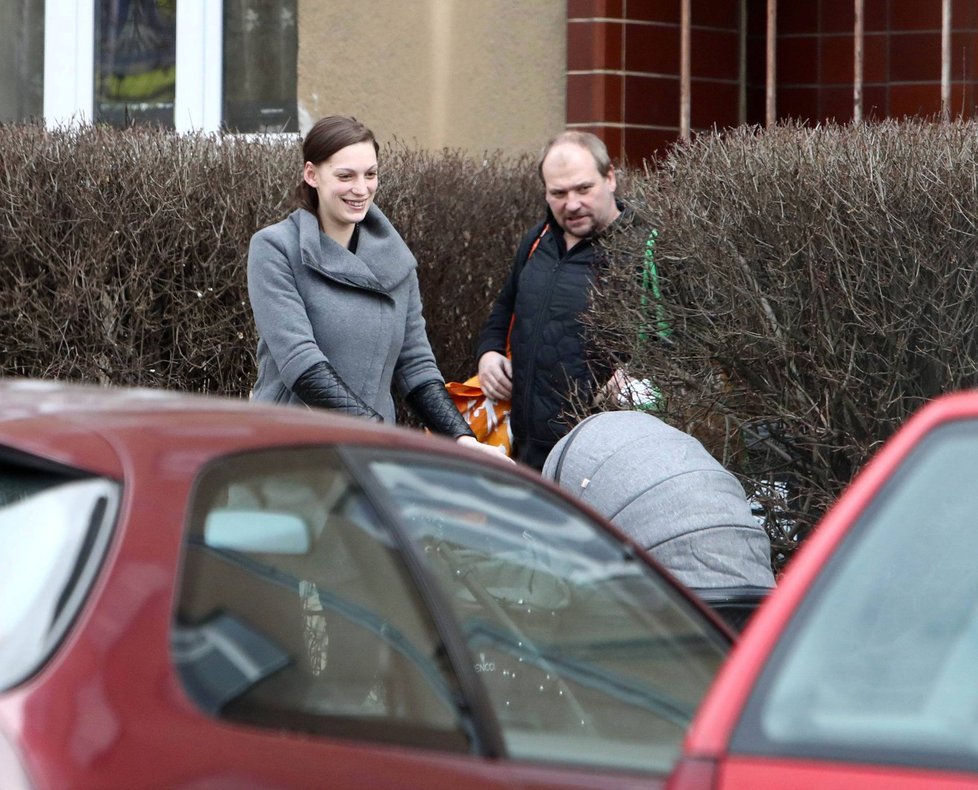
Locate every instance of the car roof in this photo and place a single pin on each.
(102, 429)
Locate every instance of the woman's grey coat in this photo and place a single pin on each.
(314, 300)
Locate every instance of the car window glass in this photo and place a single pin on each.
(879, 663)
(54, 528)
(296, 613)
(586, 656)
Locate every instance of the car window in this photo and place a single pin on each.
(296, 612)
(878, 664)
(54, 527)
(587, 657)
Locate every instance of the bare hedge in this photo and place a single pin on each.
(821, 284)
(122, 254)
(123, 251)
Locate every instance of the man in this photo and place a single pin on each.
(541, 302)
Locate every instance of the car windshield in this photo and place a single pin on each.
(55, 528)
(586, 655)
(878, 664)
(392, 597)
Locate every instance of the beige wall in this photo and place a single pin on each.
(479, 75)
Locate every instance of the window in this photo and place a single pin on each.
(297, 613)
(388, 597)
(21, 60)
(55, 526)
(135, 61)
(260, 54)
(586, 657)
(190, 65)
(880, 666)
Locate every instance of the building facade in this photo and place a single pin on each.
(484, 75)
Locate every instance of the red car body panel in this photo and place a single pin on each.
(709, 736)
(79, 717)
(740, 773)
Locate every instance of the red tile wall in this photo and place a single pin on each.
(901, 59)
(915, 15)
(876, 59)
(594, 45)
(714, 53)
(797, 63)
(834, 16)
(624, 70)
(629, 92)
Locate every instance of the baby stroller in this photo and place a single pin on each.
(662, 488)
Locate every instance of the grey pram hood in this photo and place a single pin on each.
(662, 488)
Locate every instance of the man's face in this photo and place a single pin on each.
(581, 199)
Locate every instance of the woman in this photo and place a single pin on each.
(334, 291)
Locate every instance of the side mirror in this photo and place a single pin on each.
(256, 531)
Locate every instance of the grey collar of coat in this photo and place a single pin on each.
(382, 260)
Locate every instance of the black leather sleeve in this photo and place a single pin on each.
(432, 403)
(322, 387)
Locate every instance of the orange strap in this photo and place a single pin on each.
(529, 255)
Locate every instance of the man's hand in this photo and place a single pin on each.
(624, 390)
(612, 388)
(496, 375)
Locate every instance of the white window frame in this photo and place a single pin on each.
(199, 102)
(69, 60)
(69, 64)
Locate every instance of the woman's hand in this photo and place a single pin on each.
(475, 444)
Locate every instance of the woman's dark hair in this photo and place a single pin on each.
(326, 137)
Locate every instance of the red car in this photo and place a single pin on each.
(200, 592)
(860, 670)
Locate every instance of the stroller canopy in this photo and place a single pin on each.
(661, 487)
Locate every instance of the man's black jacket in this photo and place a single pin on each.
(552, 363)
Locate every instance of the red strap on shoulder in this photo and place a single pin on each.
(533, 249)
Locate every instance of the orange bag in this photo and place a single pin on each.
(488, 419)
